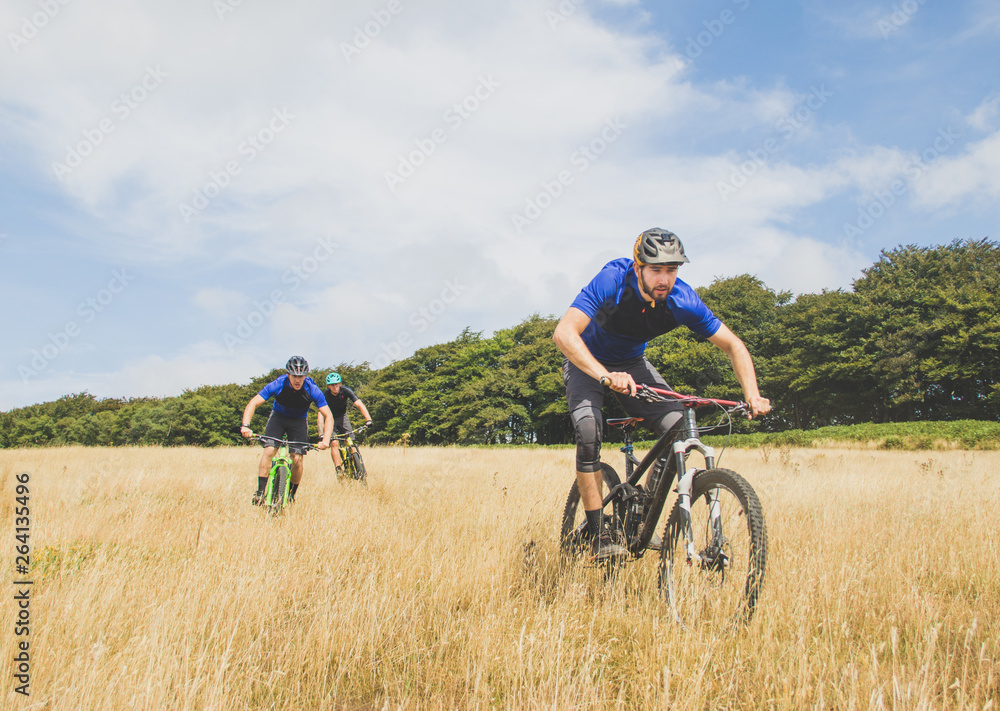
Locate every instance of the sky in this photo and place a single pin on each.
(191, 192)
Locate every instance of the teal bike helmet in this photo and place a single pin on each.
(333, 378)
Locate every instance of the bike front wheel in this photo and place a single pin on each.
(716, 573)
(360, 473)
(279, 491)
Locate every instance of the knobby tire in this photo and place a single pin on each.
(359, 466)
(725, 585)
(279, 492)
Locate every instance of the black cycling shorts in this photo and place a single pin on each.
(585, 398)
(342, 425)
(296, 429)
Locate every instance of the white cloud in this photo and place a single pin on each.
(972, 176)
(220, 302)
(290, 141)
(149, 376)
(984, 116)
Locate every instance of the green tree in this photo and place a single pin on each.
(933, 329)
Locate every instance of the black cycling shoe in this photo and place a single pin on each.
(606, 548)
(258, 498)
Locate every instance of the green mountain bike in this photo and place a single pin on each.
(276, 496)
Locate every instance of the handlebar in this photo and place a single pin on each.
(357, 431)
(651, 394)
(280, 441)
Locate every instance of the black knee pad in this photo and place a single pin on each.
(588, 440)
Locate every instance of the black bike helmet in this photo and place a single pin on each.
(297, 365)
(658, 246)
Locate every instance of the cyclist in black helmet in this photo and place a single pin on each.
(293, 393)
(603, 337)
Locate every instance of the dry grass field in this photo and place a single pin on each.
(158, 586)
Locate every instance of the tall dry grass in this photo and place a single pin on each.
(158, 586)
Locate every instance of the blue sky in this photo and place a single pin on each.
(192, 192)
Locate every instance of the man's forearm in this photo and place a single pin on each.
(576, 351)
(742, 363)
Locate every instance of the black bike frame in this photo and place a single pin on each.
(682, 438)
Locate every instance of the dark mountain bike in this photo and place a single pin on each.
(354, 465)
(714, 547)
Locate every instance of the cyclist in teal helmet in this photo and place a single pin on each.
(338, 396)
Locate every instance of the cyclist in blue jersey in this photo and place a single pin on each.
(293, 394)
(603, 337)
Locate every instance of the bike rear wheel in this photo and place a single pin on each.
(574, 536)
(721, 582)
(279, 491)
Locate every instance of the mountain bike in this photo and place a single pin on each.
(276, 497)
(353, 464)
(714, 547)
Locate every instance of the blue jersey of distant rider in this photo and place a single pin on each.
(622, 322)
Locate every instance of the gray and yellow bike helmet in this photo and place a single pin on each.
(333, 378)
(658, 246)
(297, 365)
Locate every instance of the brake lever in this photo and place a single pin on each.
(648, 395)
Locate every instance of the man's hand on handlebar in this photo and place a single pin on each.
(758, 406)
(619, 382)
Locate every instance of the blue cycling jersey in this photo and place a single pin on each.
(290, 402)
(622, 322)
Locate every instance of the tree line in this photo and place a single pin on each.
(916, 338)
